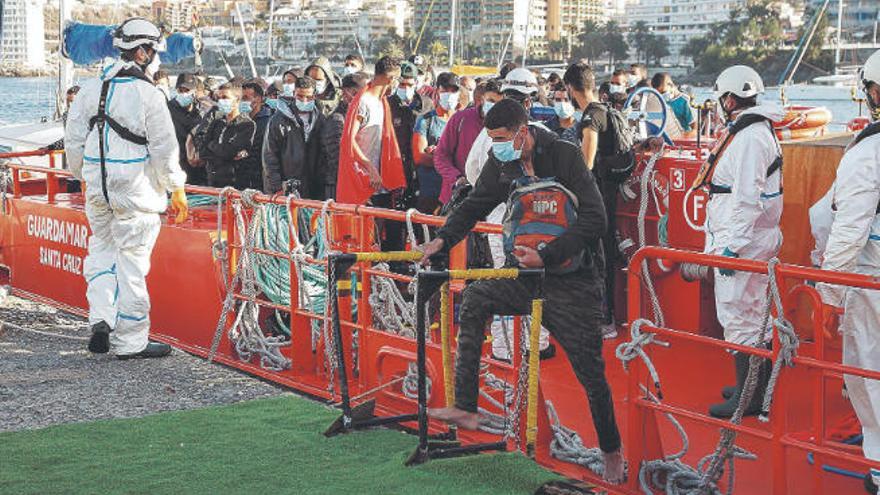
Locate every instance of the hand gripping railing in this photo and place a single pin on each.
(779, 438)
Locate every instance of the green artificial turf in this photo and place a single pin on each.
(269, 446)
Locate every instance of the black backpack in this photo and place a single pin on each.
(619, 165)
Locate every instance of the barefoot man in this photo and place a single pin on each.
(573, 307)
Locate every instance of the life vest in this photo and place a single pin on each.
(704, 177)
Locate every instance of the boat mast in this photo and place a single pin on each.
(271, 23)
(839, 36)
(528, 25)
(65, 66)
(798, 55)
(247, 47)
(452, 8)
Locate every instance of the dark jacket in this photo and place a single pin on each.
(553, 158)
(290, 154)
(223, 147)
(404, 118)
(331, 137)
(249, 174)
(329, 99)
(184, 119)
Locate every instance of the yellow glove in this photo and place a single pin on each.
(179, 204)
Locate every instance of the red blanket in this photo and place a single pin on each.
(353, 179)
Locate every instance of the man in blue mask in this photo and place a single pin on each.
(253, 104)
(573, 307)
(186, 116)
(407, 105)
(292, 146)
(679, 104)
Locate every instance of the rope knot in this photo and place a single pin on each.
(627, 351)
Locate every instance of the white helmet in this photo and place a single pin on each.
(136, 32)
(740, 80)
(520, 80)
(870, 72)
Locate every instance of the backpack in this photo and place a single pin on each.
(195, 141)
(479, 255)
(538, 211)
(619, 165)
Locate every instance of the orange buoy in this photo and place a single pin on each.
(802, 122)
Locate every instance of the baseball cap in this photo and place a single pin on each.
(188, 81)
(520, 80)
(408, 70)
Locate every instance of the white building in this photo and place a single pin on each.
(506, 24)
(680, 20)
(22, 33)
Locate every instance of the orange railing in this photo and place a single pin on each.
(778, 436)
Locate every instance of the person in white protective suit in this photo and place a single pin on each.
(520, 85)
(120, 141)
(853, 245)
(742, 218)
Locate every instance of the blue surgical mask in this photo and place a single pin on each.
(578, 115)
(245, 107)
(224, 106)
(304, 106)
(564, 109)
(616, 88)
(272, 103)
(449, 100)
(289, 89)
(505, 152)
(349, 69)
(405, 94)
(184, 99)
(487, 105)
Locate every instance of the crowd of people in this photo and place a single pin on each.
(404, 137)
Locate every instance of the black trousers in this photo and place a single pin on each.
(609, 190)
(572, 311)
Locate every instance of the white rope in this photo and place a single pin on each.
(788, 341)
(647, 175)
(627, 351)
(567, 445)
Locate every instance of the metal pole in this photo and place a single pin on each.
(528, 25)
(247, 47)
(803, 48)
(839, 35)
(452, 7)
(269, 50)
(65, 66)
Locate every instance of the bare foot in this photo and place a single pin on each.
(614, 467)
(455, 416)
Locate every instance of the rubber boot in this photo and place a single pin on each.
(727, 392)
(153, 350)
(100, 341)
(727, 408)
(870, 487)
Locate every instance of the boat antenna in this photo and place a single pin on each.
(65, 66)
(452, 7)
(798, 55)
(528, 25)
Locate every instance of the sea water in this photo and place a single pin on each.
(29, 99)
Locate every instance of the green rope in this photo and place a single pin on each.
(196, 200)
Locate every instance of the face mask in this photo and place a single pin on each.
(578, 115)
(487, 105)
(153, 66)
(184, 99)
(320, 86)
(405, 94)
(224, 106)
(288, 89)
(633, 80)
(564, 109)
(616, 89)
(668, 96)
(245, 107)
(305, 106)
(272, 103)
(449, 101)
(348, 70)
(505, 152)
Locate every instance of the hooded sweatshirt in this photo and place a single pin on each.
(292, 150)
(329, 98)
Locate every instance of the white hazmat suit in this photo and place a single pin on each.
(854, 246)
(746, 222)
(125, 228)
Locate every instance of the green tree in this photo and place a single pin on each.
(695, 48)
(614, 42)
(390, 44)
(814, 54)
(638, 38)
(557, 48)
(591, 42)
(658, 47)
(437, 52)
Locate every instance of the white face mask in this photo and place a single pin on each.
(449, 100)
(154, 65)
(320, 86)
(616, 89)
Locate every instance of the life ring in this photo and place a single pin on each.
(802, 122)
(858, 123)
